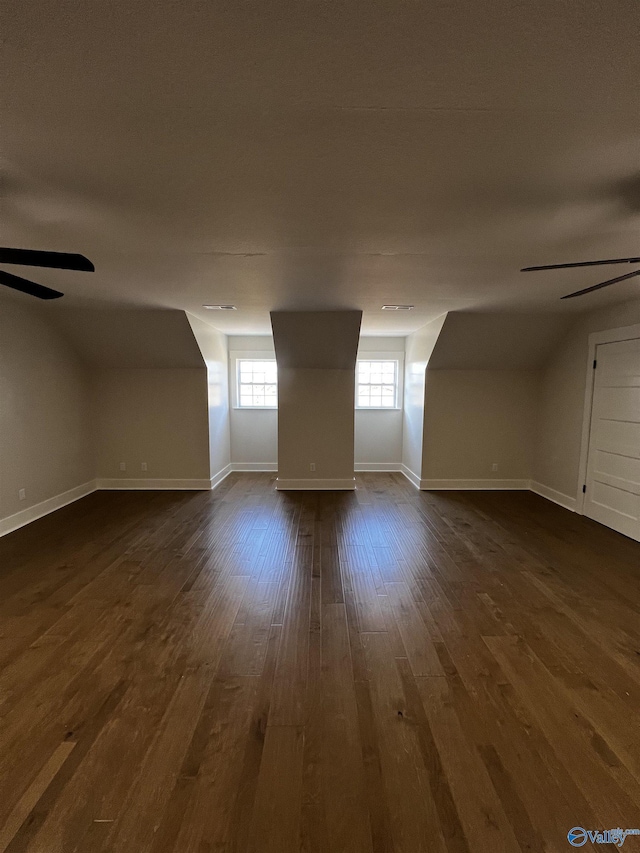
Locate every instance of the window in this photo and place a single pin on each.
(377, 384)
(257, 383)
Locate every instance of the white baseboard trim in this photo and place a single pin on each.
(254, 466)
(348, 483)
(151, 484)
(486, 485)
(411, 477)
(552, 495)
(377, 466)
(33, 513)
(220, 476)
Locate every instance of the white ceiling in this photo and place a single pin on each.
(319, 155)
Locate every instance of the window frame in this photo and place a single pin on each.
(235, 359)
(398, 358)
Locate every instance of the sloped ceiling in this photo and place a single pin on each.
(145, 338)
(316, 339)
(306, 156)
(470, 341)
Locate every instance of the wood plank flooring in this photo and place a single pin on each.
(385, 671)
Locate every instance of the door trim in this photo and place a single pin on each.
(607, 336)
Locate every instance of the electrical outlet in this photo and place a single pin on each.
(144, 466)
(494, 467)
(22, 495)
(312, 466)
(123, 466)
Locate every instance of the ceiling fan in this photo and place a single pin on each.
(591, 264)
(33, 258)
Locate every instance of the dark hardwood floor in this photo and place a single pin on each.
(385, 670)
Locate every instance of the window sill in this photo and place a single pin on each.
(378, 409)
(255, 408)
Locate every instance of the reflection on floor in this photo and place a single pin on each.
(385, 670)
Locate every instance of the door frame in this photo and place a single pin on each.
(596, 339)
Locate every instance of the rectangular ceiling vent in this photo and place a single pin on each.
(220, 307)
(397, 307)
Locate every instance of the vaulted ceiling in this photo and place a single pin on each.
(323, 155)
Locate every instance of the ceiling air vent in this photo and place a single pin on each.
(220, 307)
(397, 307)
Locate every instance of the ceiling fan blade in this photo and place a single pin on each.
(602, 284)
(583, 264)
(53, 260)
(30, 287)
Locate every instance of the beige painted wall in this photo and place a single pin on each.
(475, 418)
(157, 416)
(45, 416)
(563, 387)
(418, 349)
(315, 423)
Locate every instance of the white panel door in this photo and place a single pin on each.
(613, 471)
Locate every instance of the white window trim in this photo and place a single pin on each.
(235, 356)
(383, 356)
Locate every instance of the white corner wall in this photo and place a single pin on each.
(46, 445)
